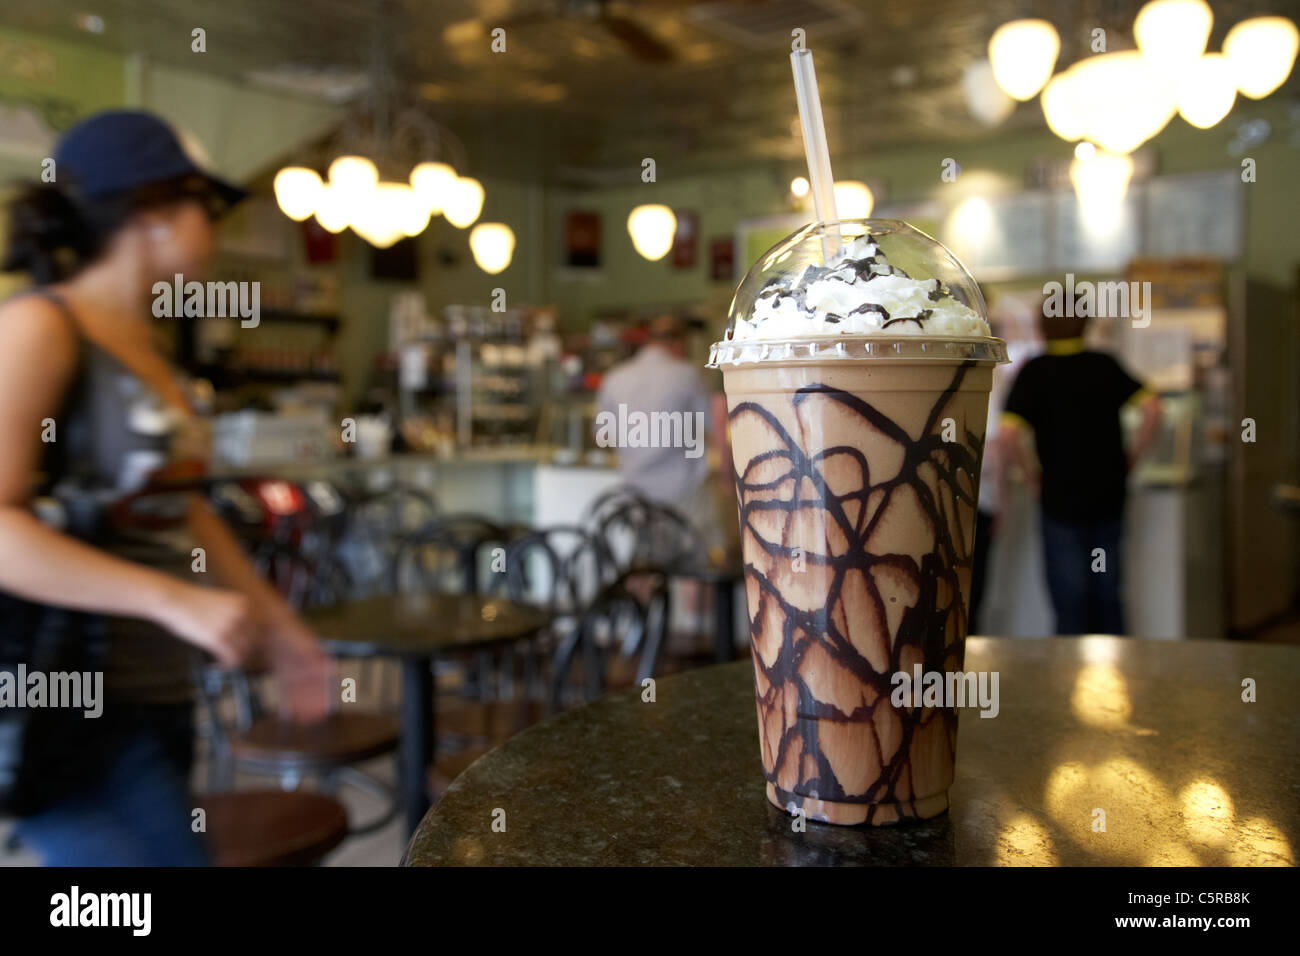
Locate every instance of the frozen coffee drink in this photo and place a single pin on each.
(857, 364)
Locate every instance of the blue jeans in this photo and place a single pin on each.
(137, 814)
(1085, 601)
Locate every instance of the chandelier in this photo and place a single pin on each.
(389, 170)
(1119, 100)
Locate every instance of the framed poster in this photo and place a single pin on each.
(684, 240)
(582, 240)
(722, 259)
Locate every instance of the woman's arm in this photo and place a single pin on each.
(37, 360)
(302, 668)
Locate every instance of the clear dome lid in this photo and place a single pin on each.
(905, 247)
(853, 288)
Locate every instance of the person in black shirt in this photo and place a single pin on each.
(1070, 400)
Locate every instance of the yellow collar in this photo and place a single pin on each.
(1064, 346)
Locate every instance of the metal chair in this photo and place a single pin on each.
(636, 531)
(624, 628)
(256, 741)
(377, 525)
(560, 569)
(293, 543)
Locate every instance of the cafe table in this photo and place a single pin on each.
(1190, 750)
(415, 629)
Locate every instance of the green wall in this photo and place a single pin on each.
(907, 174)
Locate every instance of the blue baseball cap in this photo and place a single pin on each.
(117, 151)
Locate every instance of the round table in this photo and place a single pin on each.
(1155, 734)
(416, 628)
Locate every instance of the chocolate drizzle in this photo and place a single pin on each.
(794, 506)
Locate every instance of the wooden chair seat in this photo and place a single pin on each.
(272, 827)
(344, 737)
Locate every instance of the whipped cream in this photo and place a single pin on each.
(861, 294)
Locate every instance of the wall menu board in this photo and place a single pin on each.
(1001, 236)
(1087, 244)
(1036, 232)
(1194, 214)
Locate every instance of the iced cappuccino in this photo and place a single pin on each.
(858, 392)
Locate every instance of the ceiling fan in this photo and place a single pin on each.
(639, 42)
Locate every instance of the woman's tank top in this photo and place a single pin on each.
(119, 474)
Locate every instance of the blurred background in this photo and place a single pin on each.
(462, 281)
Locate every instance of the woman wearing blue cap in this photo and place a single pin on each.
(107, 580)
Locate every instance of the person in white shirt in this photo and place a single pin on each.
(666, 458)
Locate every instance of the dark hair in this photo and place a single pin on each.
(1055, 327)
(52, 236)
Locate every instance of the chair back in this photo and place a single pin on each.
(378, 524)
(639, 533)
(623, 628)
(452, 553)
(560, 569)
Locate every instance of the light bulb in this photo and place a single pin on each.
(332, 210)
(1172, 33)
(652, 228)
(1023, 53)
(493, 245)
(1122, 99)
(1262, 51)
(432, 183)
(1207, 90)
(799, 187)
(297, 191)
(986, 101)
(1061, 107)
(464, 202)
(853, 200)
(353, 174)
(380, 220)
(1102, 180)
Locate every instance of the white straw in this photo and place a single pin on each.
(818, 153)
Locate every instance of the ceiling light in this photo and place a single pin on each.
(1262, 51)
(1172, 33)
(652, 228)
(986, 101)
(1101, 182)
(432, 183)
(1122, 100)
(853, 200)
(354, 174)
(1023, 53)
(1207, 90)
(464, 202)
(493, 245)
(332, 210)
(298, 190)
(1061, 108)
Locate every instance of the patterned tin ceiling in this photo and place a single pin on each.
(584, 85)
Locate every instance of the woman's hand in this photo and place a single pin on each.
(222, 622)
(304, 672)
